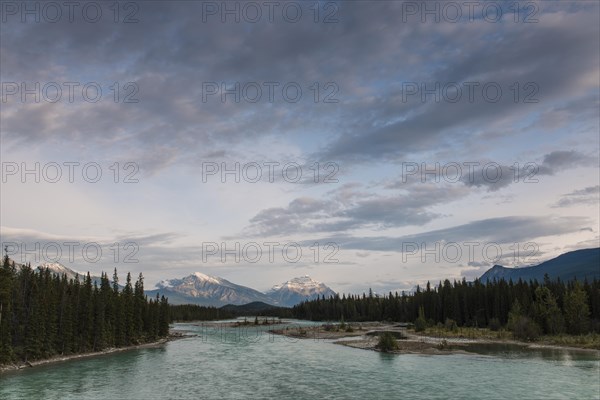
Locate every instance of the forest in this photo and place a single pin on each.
(528, 308)
(193, 312)
(44, 315)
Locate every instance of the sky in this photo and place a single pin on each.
(368, 144)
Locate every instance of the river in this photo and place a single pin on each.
(234, 363)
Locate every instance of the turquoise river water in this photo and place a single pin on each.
(234, 363)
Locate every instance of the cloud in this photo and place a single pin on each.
(563, 159)
(488, 174)
(587, 196)
(494, 176)
(349, 209)
(500, 230)
(405, 127)
(169, 54)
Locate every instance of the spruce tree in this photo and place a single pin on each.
(6, 282)
(576, 310)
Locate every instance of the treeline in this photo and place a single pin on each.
(550, 307)
(275, 312)
(43, 314)
(193, 312)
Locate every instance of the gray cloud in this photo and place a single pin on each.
(348, 209)
(495, 176)
(488, 174)
(422, 125)
(169, 53)
(587, 196)
(501, 230)
(564, 159)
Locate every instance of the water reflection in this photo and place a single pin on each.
(387, 358)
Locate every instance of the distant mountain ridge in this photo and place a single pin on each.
(207, 290)
(578, 264)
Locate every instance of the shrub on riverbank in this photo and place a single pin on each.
(525, 329)
(421, 322)
(387, 342)
(495, 324)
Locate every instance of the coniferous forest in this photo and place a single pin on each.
(194, 312)
(44, 315)
(527, 308)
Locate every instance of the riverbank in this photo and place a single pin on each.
(434, 341)
(327, 331)
(263, 321)
(588, 341)
(112, 350)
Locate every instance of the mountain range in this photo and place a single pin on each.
(578, 264)
(207, 290)
(202, 289)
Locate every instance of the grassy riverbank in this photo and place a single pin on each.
(588, 341)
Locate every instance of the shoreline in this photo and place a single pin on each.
(510, 342)
(410, 342)
(61, 358)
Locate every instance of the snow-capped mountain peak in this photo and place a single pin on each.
(301, 282)
(199, 288)
(207, 278)
(60, 269)
(299, 289)
(165, 283)
(195, 279)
